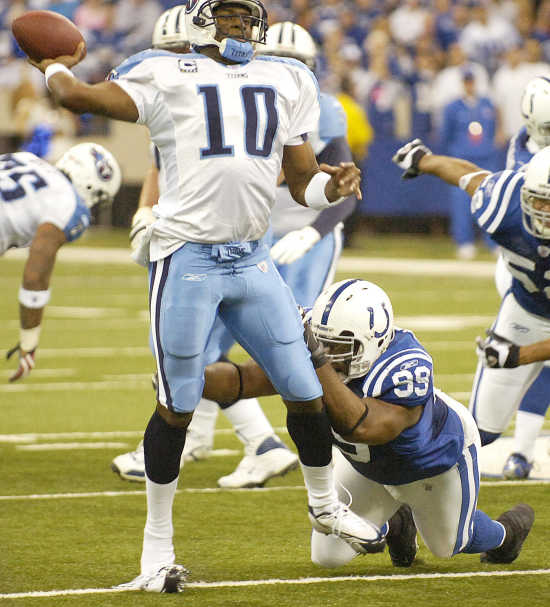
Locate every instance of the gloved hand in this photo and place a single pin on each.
(408, 157)
(142, 218)
(26, 362)
(318, 353)
(497, 352)
(294, 245)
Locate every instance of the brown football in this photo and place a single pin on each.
(45, 34)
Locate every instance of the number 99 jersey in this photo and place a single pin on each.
(220, 131)
(403, 376)
(33, 192)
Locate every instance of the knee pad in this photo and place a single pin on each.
(488, 437)
(163, 445)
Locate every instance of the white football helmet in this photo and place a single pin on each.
(93, 171)
(535, 195)
(354, 320)
(170, 32)
(535, 109)
(287, 39)
(201, 23)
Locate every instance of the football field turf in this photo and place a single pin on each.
(70, 528)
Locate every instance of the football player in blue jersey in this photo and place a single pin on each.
(513, 208)
(43, 207)
(403, 441)
(225, 124)
(535, 135)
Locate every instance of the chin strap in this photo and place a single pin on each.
(240, 52)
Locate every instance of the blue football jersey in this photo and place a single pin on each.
(403, 376)
(496, 206)
(518, 155)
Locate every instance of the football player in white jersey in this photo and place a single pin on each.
(42, 207)
(225, 123)
(403, 441)
(531, 138)
(513, 207)
(266, 456)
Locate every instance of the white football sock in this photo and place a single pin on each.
(248, 420)
(204, 420)
(528, 427)
(320, 487)
(158, 549)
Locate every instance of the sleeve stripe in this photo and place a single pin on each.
(511, 154)
(511, 186)
(495, 196)
(381, 370)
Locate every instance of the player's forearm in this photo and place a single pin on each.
(225, 383)
(104, 98)
(446, 167)
(537, 352)
(149, 194)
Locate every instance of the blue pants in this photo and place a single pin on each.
(239, 284)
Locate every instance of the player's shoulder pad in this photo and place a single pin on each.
(135, 60)
(333, 121)
(290, 62)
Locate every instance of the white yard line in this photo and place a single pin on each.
(376, 265)
(214, 490)
(292, 582)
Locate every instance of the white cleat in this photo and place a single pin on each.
(169, 578)
(197, 447)
(363, 536)
(264, 458)
(130, 466)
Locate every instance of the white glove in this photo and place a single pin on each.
(408, 157)
(142, 218)
(497, 352)
(294, 245)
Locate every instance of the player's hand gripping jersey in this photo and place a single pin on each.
(210, 122)
(33, 192)
(496, 205)
(403, 376)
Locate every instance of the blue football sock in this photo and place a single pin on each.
(486, 534)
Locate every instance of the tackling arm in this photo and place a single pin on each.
(226, 382)
(367, 420)
(452, 169)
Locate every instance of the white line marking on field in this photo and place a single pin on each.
(80, 386)
(81, 312)
(215, 490)
(95, 352)
(69, 446)
(444, 322)
(34, 436)
(294, 582)
(42, 373)
(378, 265)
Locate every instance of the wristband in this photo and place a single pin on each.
(315, 196)
(54, 68)
(28, 338)
(34, 299)
(464, 181)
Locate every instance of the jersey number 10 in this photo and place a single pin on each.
(250, 96)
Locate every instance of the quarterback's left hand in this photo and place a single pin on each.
(26, 362)
(497, 352)
(345, 180)
(408, 157)
(294, 245)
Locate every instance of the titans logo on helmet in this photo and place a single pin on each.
(103, 168)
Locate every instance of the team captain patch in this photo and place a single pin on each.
(188, 65)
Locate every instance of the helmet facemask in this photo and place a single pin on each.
(535, 208)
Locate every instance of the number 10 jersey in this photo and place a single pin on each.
(220, 131)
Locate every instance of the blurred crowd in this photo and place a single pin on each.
(400, 63)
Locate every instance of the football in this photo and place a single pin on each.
(45, 34)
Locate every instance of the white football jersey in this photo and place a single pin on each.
(33, 192)
(220, 131)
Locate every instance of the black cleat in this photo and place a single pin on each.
(517, 522)
(401, 537)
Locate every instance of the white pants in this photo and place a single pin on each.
(497, 393)
(443, 506)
